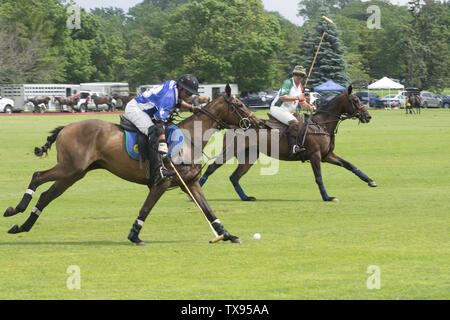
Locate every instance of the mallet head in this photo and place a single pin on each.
(327, 20)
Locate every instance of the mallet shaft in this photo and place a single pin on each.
(218, 238)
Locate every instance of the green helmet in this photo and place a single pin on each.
(299, 70)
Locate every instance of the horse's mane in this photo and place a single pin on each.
(208, 105)
(332, 102)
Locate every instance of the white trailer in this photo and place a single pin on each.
(212, 90)
(107, 88)
(209, 90)
(19, 93)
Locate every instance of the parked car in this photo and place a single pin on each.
(87, 103)
(370, 98)
(445, 98)
(394, 100)
(430, 100)
(6, 105)
(257, 98)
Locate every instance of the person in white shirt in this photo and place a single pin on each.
(289, 97)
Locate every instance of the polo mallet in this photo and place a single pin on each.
(217, 237)
(317, 51)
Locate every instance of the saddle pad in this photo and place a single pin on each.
(131, 145)
(174, 138)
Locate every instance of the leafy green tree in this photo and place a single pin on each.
(32, 41)
(425, 45)
(221, 41)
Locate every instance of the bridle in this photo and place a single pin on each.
(341, 116)
(247, 120)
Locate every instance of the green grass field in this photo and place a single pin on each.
(309, 249)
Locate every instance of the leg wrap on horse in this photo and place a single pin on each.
(203, 180)
(22, 206)
(217, 225)
(133, 236)
(361, 175)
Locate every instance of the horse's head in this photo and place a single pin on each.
(352, 106)
(232, 111)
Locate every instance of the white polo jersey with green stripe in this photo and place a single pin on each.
(288, 88)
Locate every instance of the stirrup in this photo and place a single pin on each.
(163, 174)
(297, 152)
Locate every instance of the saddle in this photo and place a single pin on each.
(137, 143)
(139, 138)
(303, 120)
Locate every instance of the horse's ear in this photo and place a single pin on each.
(350, 89)
(228, 90)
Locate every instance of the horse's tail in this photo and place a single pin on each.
(39, 152)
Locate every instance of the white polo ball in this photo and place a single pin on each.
(256, 236)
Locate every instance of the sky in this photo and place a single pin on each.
(287, 8)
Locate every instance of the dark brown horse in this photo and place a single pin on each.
(37, 101)
(124, 99)
(71, 102)
(103, 100)
(95, 144)
(319, 144)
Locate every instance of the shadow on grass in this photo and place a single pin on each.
(84, 243)
(265, 200)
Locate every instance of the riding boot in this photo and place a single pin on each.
(292, 133)
(158, 173)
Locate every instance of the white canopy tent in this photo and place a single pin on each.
(385, 83)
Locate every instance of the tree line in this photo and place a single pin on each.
(224, 40)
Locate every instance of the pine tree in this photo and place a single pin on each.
(330, 61)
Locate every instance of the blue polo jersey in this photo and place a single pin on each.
(159, 101)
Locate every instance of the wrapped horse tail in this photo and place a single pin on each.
(39, 152)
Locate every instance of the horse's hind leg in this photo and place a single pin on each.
(39, 178)
(227, 154)
(240, 171)
(46, 197)
(334, 159)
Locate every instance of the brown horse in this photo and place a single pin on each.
(103, 100)
(199, 100)
(319, 144)
(95, 144)
(124, 99)
(37, 101)
(71, 102)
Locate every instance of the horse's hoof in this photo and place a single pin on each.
(372, 184)
(233, 239)
(14, 229)
(250, 199)
(9, 212)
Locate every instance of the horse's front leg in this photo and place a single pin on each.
(315, 164)
(197, 193)
(153, 196)
(334, 159)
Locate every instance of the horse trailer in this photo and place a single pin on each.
(107, 88)
(19, 93)
(208, 90)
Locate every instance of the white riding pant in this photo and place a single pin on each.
(282, 114)
(138, 117)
